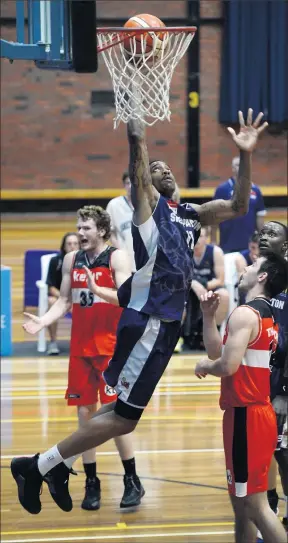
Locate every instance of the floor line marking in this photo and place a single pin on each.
(116, 528)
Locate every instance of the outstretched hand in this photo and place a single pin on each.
(209, 303)
(33, 325)
(247, 138)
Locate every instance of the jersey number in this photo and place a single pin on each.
(86, 298)
(190, 239)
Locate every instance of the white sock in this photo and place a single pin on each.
(70, 461)
(49, 460)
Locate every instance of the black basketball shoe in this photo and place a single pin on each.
(57, 480)
(133, 491)
(29, 482)
(92, 496)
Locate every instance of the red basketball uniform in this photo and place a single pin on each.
(93, 334)
(249, 422)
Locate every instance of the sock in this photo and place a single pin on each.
(70, 461)
(286, 507)
(129, 466)
(90, 470)
(49, 460)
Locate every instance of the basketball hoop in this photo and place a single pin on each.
(141, 74)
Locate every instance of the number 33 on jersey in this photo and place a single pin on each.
(94, 321)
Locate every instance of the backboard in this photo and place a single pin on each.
(61, 34)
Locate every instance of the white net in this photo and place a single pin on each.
(141, 80)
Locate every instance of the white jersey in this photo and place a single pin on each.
(121, 213)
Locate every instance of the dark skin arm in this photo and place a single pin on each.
(144, 196)
(212, 213)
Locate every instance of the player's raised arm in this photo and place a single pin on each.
(212, 213)
(61, 306)
(144, 196)
(243, 327)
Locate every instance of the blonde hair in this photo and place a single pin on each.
(99, 216)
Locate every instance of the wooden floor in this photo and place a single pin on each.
(178, 444)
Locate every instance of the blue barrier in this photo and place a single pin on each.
(6, 314)
(32, 272)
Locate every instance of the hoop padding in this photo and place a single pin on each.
(141, 80)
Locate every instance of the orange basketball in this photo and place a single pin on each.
(151, 41)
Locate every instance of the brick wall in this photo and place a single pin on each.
(53, 138)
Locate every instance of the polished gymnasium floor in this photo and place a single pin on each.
(178, 445)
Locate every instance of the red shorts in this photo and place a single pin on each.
(250, 437)
(85, 381)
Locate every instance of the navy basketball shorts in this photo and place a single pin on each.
(144, 347)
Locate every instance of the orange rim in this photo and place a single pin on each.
(126, 33)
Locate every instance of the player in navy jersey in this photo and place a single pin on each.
(164, 234)
(274, 235)
(209, 273)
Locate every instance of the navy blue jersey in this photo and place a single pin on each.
(280, 310)
(163, 249)
(247, 257)
(204, 268)
(235, 233)
(279, 369)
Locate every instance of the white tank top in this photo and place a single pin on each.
(121, 213)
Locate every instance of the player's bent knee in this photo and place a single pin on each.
(85, 412)
(128, 413)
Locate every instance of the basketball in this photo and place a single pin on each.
(147, 42)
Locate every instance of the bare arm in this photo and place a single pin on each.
(53, 291)
(219, 269)
(211, 337)
(212, 213)
(216, 211)
(121, 269)
(61, 306)
(144, 196)
(243, 328)
(213, 235)
(111, 210)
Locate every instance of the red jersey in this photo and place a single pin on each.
(94, 321)
(251, 382)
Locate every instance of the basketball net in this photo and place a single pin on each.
(141, 81)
